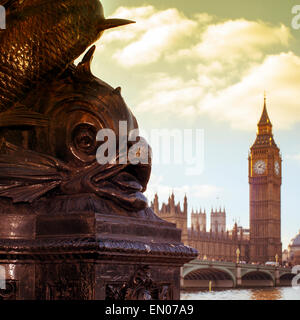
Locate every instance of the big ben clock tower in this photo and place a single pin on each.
(265, 194)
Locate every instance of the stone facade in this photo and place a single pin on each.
(293, 252)
(218, 221)
(216, 244)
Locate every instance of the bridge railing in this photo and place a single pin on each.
(242, 265)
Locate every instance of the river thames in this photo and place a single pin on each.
(286, 293)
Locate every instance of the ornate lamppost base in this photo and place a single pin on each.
(90, 256)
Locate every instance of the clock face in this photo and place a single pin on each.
(277, 168)
(260, 167)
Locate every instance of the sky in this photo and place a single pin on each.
(204, 65)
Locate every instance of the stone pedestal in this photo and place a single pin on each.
(277, 278)
(85, 255)
(238, 276)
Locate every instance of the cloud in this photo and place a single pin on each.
(199, 191)
(293, 157)
(132, 31)
(241, 103)
(170, 94)
(237, 39)
(153, 35)
(170, 34)
(204, 65)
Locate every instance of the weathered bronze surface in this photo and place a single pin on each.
(50, 146)
(70, 227)
(42, 38)
(139, 287)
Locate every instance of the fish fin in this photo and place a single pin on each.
(12, 154)
(84, 67)
(26, 175)
(26, 193)
(118, 90)
(113, 23)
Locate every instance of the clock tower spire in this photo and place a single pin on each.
(265, 193)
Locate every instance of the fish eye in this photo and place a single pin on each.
(84, 138)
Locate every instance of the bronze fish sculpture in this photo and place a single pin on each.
(59, 153)
(42, 38)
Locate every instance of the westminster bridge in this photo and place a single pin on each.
(200, 274)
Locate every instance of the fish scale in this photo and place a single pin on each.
(42, 38)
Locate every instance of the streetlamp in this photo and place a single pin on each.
(238, 252)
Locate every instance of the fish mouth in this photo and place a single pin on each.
(127, 189)
(113, 23)
(125, 184)
(122, 184)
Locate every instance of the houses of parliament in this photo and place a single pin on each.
(260, 243)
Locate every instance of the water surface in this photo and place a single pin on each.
(286, 293)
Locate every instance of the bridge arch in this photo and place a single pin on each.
(258, 278)
(207, 273)
(287, 275)
(286, 278)
(259, 274)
